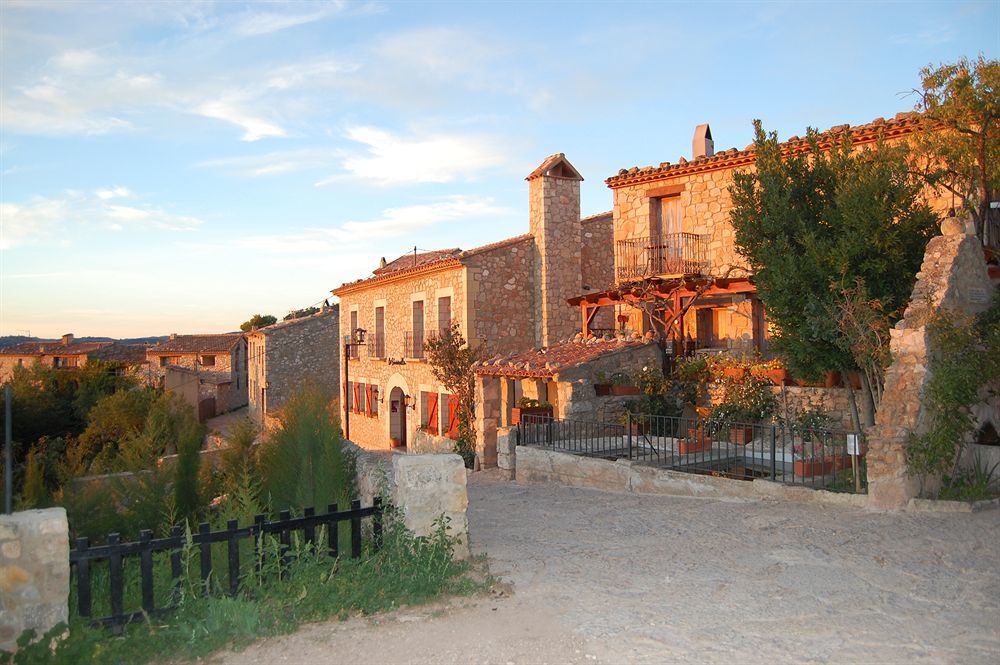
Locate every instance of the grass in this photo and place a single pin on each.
(407, 570)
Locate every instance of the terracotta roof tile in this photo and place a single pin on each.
(53, 348)
(281, 325)
(411, 260)
(902, 124)
(547, 362)
(125, 353)
(197, 344)
(601, 216)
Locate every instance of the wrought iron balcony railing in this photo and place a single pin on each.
(668, 254)
(376, 346)
(413, 344)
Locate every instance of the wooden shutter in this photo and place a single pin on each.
(452, 417)
(432, 413)
(368, 400)
(357, 398)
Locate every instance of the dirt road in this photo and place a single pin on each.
(610, 578)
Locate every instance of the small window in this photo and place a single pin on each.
(163, 361)
(362, 393)
(444, 314)
(209, 361)
(349, 396)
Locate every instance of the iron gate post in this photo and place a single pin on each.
(774, 461)
(628, 432)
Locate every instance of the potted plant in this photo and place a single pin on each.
(602, 386)
(697, 441)
(622, 384)
(529, 407)
(813, 451)
(744, 403)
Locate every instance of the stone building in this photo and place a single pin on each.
(215, 364)
(68, 353)
(672, 236)
(508, 296)
(283, 356)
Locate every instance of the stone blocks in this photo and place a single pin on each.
(429, 486)
(34, 573)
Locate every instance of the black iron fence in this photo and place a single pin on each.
(779, 452)
(116, 554)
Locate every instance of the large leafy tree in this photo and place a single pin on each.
(816, 226)
(959, 147)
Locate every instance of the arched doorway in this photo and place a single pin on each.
(397, 416)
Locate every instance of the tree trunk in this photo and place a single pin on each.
(852, 400)
(867, 400)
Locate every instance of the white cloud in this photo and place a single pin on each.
(254, 128)
(394, 222)
(253, 23)
(392, 160)
(41, 217)
(272, 163)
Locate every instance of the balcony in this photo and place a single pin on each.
(413, 344)
(376, 346)
(670, 254)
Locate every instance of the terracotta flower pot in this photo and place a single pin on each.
(734, 372)
(778, 377)
(820, 467)
(624, 390)
(602, 389)
(520, 411)
(740, 436)
(697, 441)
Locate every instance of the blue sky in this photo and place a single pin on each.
(178, 166)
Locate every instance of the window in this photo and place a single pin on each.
(444, 314)
(449, 417)
(668, 212)
(209, 361)
(373, 401)
(379, 332)
(360, 390)
(353, 350)
(349, 396)
(429, 409)
(417, 335)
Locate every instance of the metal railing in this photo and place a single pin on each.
(376, 346)
(776, 452)
(668, 254)
(115, 553)
(413, 344)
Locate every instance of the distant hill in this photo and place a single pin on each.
(11, 340)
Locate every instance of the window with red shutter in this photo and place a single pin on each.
(431, 421)
(452, 417)
(368, 400)
(357, 397)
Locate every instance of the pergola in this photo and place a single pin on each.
(667, 300)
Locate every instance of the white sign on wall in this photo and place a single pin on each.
(852, 445)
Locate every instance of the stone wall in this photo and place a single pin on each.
(577, 399)
(229, 366)
(500, 296)
(428, 487)
(598, 262)
(34, 573)
(554, 212)
(953, 277)
(290, 353)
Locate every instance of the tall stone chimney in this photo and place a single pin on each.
(554, 221)
(702, 145)
(67, 339)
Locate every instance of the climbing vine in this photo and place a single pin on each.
(965, 358)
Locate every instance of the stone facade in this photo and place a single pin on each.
(34, 573)
(284, 356)
(66, 353)
(692, 197)
(490, 292)
(953, 277)
(217, 363)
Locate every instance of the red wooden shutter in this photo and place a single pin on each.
(452, 417)
(432, 413)
(357, 398)
(368, 400)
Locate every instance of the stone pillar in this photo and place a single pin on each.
(488, 408)
(554, 216)
(507, 451)
(429, 486)
(34, 573)
(953, 277)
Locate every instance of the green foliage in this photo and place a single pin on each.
(257, 321)
(959, 148)
(299, 313)
(451, 360)
(112, 419)
(970, 485)
(812, 225)
(314, 587)
(691, 378)
(303, 463)
(656, 394)
(965, 357)
(34, 494)
(744, 401)
(186, 500)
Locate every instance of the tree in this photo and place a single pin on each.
(257, 321)
(822, 226)
(959, 147)
(451, 360)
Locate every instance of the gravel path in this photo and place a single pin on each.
(613, 578)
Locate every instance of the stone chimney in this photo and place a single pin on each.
(381, 263)
(173, 336)
(67, 339)
(702, 145)
(554, 221)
